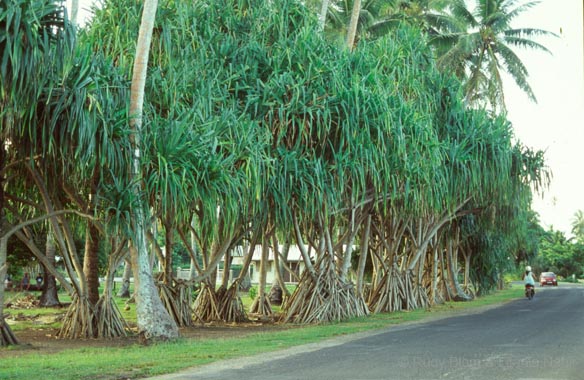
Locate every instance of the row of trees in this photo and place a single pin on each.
(560, 254)
(253, 128)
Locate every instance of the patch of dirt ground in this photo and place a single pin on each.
(43, 339)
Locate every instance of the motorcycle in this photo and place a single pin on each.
(529, 291)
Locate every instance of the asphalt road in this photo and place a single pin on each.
(522, 340)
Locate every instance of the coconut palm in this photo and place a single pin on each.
(578, 225)
(153, 320)
(348, 21)
(423, 14)
(477, 43)
(352, 28)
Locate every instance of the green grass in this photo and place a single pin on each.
(142, 361)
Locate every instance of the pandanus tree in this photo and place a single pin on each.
(254, 126)
(506, 232)
(208, 175)
(324, 148)
(200, 156)
(306, 111)
(404, 148)
(101, 149)
(249, 69)
(494, 177)
(31, 35)
(356, 151)
(126, 196)
(71, 113)
(473, 168)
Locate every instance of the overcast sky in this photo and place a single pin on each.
(556, 123)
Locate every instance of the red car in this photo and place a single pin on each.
(548, 278)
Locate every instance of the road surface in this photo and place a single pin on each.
(540, 339)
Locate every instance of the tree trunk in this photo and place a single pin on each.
(74, 11)
(352, 30)
(303, 250)
(109, 320)
(279, 268)
(434, 283)
(79, 304)
(323, 14)
(168, 248)
(226, 269)
(261, 304)
(345, 263)
(125, 288)
(63, 233)
(431, 229)
(445, 281)
(363, 257)
(153, 320)
(91, 263)
(194, 268)
(467, 259)
(50, 295)
(451, 261)
(7, 337)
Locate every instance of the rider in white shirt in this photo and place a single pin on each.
(529, 278)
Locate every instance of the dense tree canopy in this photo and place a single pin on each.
(256, 127)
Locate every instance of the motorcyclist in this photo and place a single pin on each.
(529, 278)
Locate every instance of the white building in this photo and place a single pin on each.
(293, 263)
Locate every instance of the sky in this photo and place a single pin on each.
(555, 124)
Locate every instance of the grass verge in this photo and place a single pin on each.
(136, 361)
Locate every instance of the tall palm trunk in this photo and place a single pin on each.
(153, 320)
(74, 11)
(352, 30)
(323, 13)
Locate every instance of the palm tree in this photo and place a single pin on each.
(476, 43)
(29, 31)
(578, 225)
(349, 21)
(372, 19)
(153, 320)
(424, 14)
(352, 28)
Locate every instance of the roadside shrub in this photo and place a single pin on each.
(253, 292)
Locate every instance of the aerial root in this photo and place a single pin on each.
(323, 298)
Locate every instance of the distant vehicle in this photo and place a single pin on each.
(548, 278)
